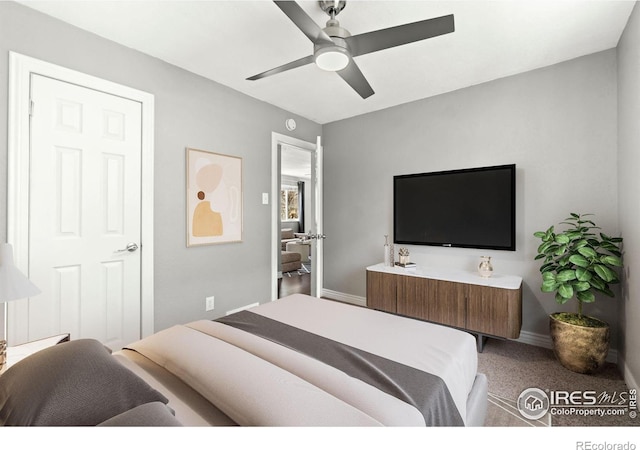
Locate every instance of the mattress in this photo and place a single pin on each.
(250, 379)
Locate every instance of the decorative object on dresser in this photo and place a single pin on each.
(14, 285)
(387, 250)
(486, 307)
(485, 269)
(403, 256)
(579, 263)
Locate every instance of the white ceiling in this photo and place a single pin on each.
(228, 41)
(295, 162)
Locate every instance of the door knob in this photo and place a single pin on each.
(131, 247)
(312, 235)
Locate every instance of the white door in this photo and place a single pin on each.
(84, 215)
(317, 275)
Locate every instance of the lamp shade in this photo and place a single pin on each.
(13, 284)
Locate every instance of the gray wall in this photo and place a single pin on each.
(629, 191)
(557, 124)
(190, 111)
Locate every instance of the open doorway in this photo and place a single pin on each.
(296, 217)
(295, 204)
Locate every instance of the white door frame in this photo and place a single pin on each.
(20, 69)
(278, 139)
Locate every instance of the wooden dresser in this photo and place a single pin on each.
(487, 307)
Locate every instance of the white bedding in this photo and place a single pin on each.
(249, 390)
(448, 353)
(257, 382)
(377, 405)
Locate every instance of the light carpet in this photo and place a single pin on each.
(512, 367)
(502, 412)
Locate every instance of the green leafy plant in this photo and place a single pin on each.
(578, 262)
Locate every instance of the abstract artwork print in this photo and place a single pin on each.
(214, 198)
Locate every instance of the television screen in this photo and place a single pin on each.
(471, 208)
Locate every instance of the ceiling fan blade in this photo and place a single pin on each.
(292, 65)
(364, 43)
(354, 77)
(300, 18)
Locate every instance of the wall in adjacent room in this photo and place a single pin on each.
(557, 124)
(629, 193)
(292, 181)
(190, 111)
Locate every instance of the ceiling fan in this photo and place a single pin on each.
(334, 47)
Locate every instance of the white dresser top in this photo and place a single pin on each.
(458, 276)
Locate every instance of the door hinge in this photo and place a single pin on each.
(31, 106)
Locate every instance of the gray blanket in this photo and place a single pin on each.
(426, 392)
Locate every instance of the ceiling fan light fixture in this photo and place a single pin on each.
(335, 49)
(332, 59)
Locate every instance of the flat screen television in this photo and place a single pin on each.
(470, 208)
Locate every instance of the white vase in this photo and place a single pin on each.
(485, 269)
(387, 251)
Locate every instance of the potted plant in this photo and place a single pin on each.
(579, 263)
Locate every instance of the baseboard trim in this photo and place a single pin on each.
(526, 337)
(242, 308)
(538, 340)
(347, 298)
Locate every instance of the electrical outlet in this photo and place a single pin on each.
(209, 305)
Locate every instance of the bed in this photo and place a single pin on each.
(297, 361)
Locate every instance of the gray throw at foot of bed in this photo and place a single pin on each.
(426, 392)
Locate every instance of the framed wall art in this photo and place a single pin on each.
(214, 198)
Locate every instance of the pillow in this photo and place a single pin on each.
(73, 383)
(286, 233)
(153, 414)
